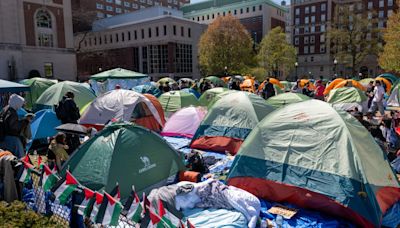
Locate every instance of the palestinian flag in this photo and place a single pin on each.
(154, 217)
(48, 179)
(97, 203)
(26, 174)
(134, 207)
(145, 204)
(115, 193)
(64, 190)
(40, 162)
(112, 211)
(83, 206)
(165, 221)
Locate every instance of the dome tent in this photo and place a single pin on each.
(316, 157)
(347, 98)
(119, 104)
(229, 121)
(184, 122)
(207, 97)
(127, 154)
(38, 86)
(175, 100)
(283, 99)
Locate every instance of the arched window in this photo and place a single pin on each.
(45, 29)
(43, 19)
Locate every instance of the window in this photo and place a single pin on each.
(142, 31)
(116, 37)
(149, 32)
(118, 10)
(165, 30)
(323, 7)
(208, 17)
(296, 31)
(174, 28)
(111, 38)
(323, 17)
(182, 31)
(369, 15)
(306, 29)
(135, 34)
(381, 3)
(306, 20)
(109, 8)
(105, 39)
(322, 38)
(45, 40)
(48, 70)
(198, 18)
(321, 68)
(157, 32)
(312, 50)
(306, 40)
(99, 6)
(118, 2)
(241, 11)
(234, 12)
(127, 4)
(305, 49)
(312, 39)
(202, 17)
(189, 32)
(297, 11)
(260, 7)
(381, 24)
(183, 58)
(297, 21)
(129, 35)
(109, 1)
(322, 28)
(370, 5)
(134, 5)
(381, 14)
(223, 13)
(312, 9)
(122, 37)
(254, 8)
(307, 10)
(313, 28)
(213, 16)
(247, 9)
(390, 3)
(322, 48)
(43, 19)
(296, 41)
(312, 19)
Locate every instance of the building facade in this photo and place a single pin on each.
(258, 16)
(109, 8)
(36, 35)
(163, 45)
(310, 22)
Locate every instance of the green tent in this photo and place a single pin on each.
(52, 95)
(216, 81)
(126, 154)
(287, 85)
(210, 94)
(348, 98)
(117, 73)
(38, 86)
(283, 99)
(175, 100)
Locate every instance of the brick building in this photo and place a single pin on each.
(36, 35)
(258, 16)
(157, 41)
(310, 22)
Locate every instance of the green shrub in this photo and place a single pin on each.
(16, 214)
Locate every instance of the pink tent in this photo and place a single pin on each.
(184, 122)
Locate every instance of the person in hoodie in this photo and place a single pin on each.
(11, 140)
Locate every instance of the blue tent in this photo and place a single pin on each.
(21, 113)
(192, 91)
(12, 87)
(44, 124)
(150, 89)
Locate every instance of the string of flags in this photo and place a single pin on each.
(102, 207)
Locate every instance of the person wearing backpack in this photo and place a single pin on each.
(10, 126)
(68, 112)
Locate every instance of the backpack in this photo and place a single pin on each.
(60, 110)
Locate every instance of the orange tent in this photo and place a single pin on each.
(386, 82)
(332, 85)
(350, 83)
(148, 121)
(248, 85)
(273, 81)
(303, 82)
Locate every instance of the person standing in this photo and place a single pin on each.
(68, 112)
(319, 91)
(377, 100)
(370, 93)
(296, 88)
(11, 126)
(26, 133)
(268, 90)
(306, 90)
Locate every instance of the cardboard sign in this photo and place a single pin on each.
(285, 212)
